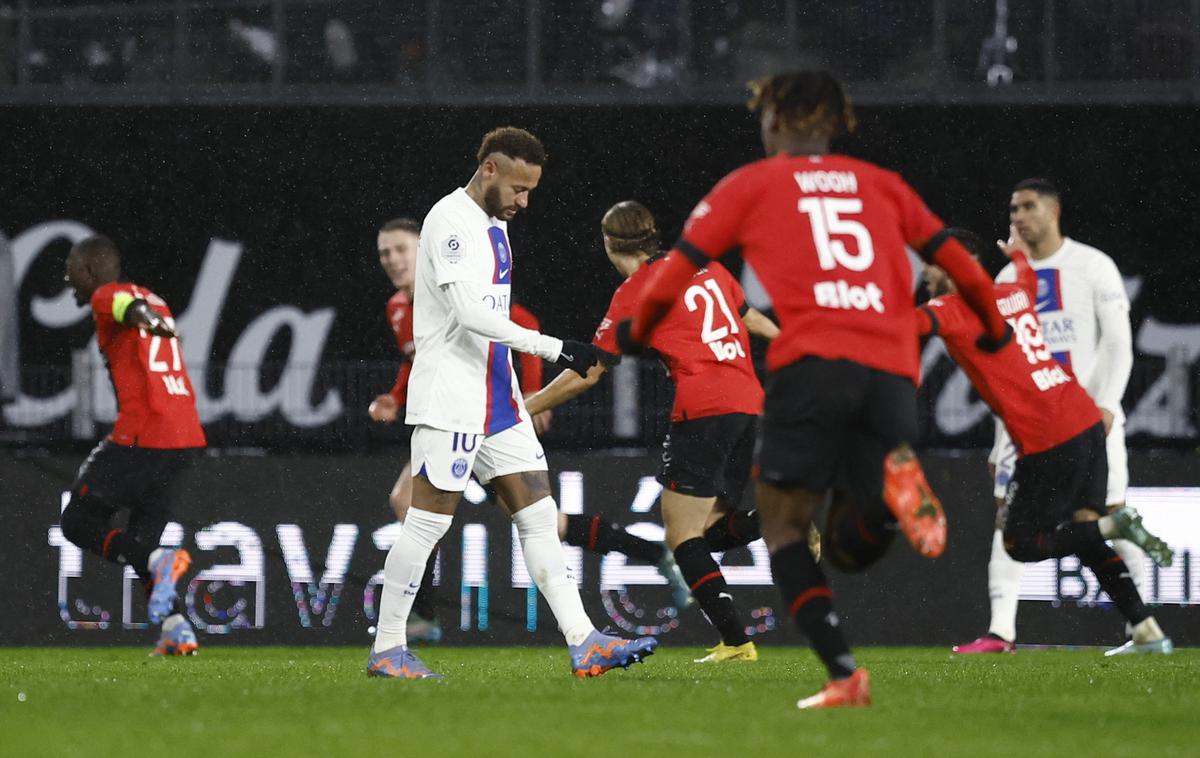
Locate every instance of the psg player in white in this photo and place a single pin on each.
(468, 413)
(1084, 314)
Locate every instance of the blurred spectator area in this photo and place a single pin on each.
(427, 49)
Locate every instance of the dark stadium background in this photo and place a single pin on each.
(191, 138)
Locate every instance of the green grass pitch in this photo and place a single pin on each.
(232, 701)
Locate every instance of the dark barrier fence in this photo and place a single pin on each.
(258, 227)
(287, 550)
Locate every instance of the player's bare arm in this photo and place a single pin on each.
(566, 386)
(759, 325)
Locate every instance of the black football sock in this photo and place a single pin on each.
(119, 547)
(1113, 575)
(855, 539)
(809, 602)
(734, 529)
(596, 535)
(1068, 538)
(708, 586)
(86, 524)
(425, 603)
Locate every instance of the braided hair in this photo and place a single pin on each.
(629, 227)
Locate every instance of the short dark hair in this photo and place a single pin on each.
(517, 144)
(1043, 187)
(805, 101)
(402, 224)
(98, 246)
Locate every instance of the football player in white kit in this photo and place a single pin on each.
(1084, 312)
(468, 413)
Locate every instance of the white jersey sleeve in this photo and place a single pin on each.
(1114, 340)
(454, 258)
(462, 378)
(465, 299)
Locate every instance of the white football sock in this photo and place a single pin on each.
(1004, 589)
(1147, 631)
(537, 529)
(402, 572)
(1135, 561)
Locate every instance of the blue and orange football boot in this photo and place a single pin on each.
(166, 567)
(398, 663)
(601, 652)
(178, 638)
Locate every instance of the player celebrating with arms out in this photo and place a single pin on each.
(468, 412)
(157, 428)
(707, 454)
(397, 243)
(826, 234)
(1084, 313)
(1055, 501)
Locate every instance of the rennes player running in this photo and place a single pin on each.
(157, 427)
(826, 235)
(1056, 498)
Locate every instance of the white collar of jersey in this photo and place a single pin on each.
(466, 200)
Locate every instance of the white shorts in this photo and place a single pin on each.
(1004, 455)
(447, 459)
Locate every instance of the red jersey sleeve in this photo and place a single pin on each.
(399, 389)
(714, 226)
(948, 316)
(1026, 276)
(917, 222)
(530, 366)
(622, 306)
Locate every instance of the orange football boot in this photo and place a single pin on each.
(911, 500)
(852, 692)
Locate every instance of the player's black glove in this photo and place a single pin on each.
(625, 339)
(578, 356)
(989, 345)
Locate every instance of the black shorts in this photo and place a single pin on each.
(709, 456)
(830, 423)
(1048, 487)
(137, 478)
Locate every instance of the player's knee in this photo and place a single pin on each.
(399, 505)
(1023, 548)
(1084, 514)
(850, 545)
(79, 520)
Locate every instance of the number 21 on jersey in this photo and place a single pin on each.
(709, 295)
(158, 362)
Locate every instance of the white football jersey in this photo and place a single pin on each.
(1079, 288)
(461, 381)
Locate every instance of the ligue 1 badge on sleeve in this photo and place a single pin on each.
(452, 249)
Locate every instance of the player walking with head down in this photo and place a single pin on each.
(826, 234)
(397, 245)
(1056, 498)
(468, 413)
(707, 454)
(157, 427)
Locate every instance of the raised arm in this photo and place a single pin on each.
(136, 313)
